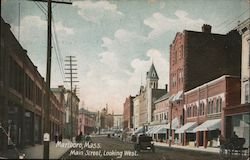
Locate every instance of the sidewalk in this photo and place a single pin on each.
(202, 149)
(36, 152)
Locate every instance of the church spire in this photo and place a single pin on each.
(152, 74)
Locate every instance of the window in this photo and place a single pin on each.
(195, 111)
(208, 108)
(220, 104)
(217, 105)
(175, 57)
(212, 107)
(246, 93)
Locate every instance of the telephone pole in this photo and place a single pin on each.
(46, 136)
(70, 67)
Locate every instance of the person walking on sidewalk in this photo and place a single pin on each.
(60, 137)
(56, 137)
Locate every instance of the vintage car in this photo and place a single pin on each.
(144, 142)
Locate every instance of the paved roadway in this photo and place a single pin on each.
(118, 149)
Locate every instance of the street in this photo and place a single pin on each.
(113, 148)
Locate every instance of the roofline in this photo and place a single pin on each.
(211, 82)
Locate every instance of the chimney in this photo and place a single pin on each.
(206, 28)
(166, 87)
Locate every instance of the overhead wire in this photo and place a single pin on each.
(55, 41)
(228, 22)
(57, 51)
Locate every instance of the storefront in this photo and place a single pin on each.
(187, 136)
(238, 121)
(207, 133)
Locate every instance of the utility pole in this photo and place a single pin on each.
(47, 135)
(70, 66)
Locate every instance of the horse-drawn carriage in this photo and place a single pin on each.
(233, 148)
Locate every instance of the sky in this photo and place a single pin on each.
(114, 42)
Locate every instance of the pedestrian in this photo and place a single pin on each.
(56, 137)
(60, 137)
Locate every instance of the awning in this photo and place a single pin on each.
(154, 129)
(209, 125)
(175, 124)
(187, 127)
(161, 130)
(150, 129)
(139, 130)
(178, 96)
(171, 97)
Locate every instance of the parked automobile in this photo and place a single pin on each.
(144, 142)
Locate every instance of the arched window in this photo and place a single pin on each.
(212, 107)
(203, 108)
(195, 110)
(220, 104)
(217, 105)
(208, 108)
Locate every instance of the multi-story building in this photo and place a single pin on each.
(197, 58)
(118, 122)
(71, 128)
(86, 121)
(144, 101)
(128, 112)
(136, 111)
(106, 119)
(22, 96)
(161, 111)
(161, 115)
(238, 116)
(204, 111)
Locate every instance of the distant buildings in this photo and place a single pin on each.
(71, 126)
(86, 121)
(144, 102)
(106, 119)
(128, 109)
(118, 122)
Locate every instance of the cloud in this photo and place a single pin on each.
(110, 82)
(97, 11)
(161, 24)
(126, 45)
(142, 66)
(34, 26)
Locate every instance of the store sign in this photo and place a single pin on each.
(46, 137)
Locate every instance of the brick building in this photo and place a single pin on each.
(22, 96)
(86, 121)
(197, 58)
(71, 125)
(128, 109)
(204, 111)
